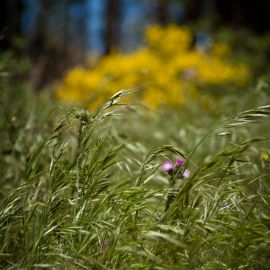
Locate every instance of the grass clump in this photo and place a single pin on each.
(87, 197)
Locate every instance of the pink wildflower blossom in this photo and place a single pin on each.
(186, 173)
(167, 166)
(179, 162)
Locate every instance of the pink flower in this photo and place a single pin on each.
(189, 73)
(171, 168)
(179, 162)
(167, 166)
(186, 173)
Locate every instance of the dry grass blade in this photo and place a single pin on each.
(251, 116)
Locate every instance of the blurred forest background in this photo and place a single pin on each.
(56, 35)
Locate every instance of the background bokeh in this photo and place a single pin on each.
(57, 35)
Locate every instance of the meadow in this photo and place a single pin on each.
(126, 186)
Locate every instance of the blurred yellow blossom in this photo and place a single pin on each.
(171, 71)
(168, 40)
(264, 156)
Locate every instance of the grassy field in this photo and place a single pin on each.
(87, 190)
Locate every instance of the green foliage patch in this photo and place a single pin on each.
(86, 190)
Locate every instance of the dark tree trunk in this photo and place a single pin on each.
(10, 22)
(111, 31)
(163, 11)
(194, 10)
(54, 50)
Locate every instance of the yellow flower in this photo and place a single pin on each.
(169, 69)
(264, 156)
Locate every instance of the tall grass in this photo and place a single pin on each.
(88, 195)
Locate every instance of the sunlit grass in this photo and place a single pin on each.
(90, 192)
